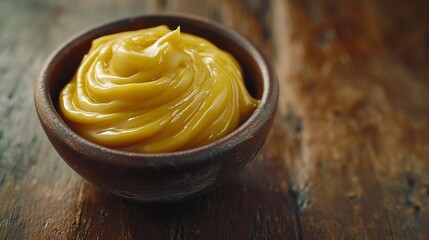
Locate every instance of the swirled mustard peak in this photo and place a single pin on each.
(155, 90)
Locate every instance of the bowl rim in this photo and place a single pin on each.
(56, 126)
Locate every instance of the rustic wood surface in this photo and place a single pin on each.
(347, 158)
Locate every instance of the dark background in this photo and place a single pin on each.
(347, 157)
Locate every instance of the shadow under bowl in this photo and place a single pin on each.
(163, 177)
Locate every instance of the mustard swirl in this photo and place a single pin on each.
(155, 90)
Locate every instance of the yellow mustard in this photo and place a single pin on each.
(155, 90)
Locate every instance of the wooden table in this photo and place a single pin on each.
(347, 157)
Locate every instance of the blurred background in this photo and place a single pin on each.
(347, 156)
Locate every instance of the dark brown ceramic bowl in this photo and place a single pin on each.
(163, 177)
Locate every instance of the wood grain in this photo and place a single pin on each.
(347, 157)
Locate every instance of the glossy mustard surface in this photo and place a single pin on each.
(156, 90)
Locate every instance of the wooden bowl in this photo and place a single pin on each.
(162, 177)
